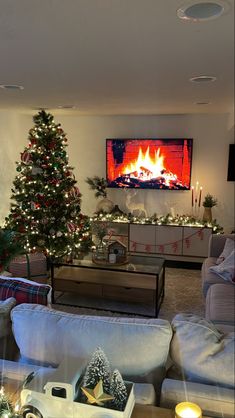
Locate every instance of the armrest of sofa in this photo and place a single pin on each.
(214, 401)
(216, 244)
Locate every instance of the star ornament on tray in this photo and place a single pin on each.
(97, 394)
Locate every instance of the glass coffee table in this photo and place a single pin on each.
(136, 287)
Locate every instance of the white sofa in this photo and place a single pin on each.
(141, 349)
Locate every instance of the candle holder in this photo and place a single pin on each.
(188, 410)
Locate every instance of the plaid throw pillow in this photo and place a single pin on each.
(23, 292)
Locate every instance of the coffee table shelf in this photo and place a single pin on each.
(136, 287)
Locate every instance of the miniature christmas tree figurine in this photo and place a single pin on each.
(118, 391)
(46, 208)
(6, 408)
(97, 369)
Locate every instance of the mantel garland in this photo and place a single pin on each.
(178, 220)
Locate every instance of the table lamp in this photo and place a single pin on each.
(187, 410)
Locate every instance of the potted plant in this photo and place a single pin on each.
(100, 185)
(208, 203)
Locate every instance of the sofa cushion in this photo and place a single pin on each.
(226, 269)
(5, 309)
(220, 305)
(203, 353)
(208, 277)
(137, 347)
(228, 248)
(214, 401)
(24, 291)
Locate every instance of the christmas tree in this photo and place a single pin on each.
(97, 369)
(118, 391)
(46, 209)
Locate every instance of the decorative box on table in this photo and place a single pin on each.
(31, 266)
(94, 411)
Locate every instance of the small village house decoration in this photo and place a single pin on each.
(117, 252)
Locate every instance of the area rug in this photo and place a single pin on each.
(182, 294)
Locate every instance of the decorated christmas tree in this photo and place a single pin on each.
(46, 201)
(97, 369)
(118, 391)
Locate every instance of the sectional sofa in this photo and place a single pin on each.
(190, 359)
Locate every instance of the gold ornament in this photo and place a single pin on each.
(97, 394)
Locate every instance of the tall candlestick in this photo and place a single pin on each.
(196, 194)
(200, 197)
(192, 196)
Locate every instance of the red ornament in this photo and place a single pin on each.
(51, 144)
(71, 227)
(21, 228)
(33, 141)
(74, 192)
(26, 157)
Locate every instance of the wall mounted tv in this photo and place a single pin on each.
(149, 163)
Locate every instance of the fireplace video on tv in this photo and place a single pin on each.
(149, 163)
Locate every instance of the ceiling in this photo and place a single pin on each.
(114, 57)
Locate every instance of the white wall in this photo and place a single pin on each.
(86, 149)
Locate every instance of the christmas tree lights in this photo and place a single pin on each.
(46, 201)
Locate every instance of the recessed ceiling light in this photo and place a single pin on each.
(203, 79)
(11, 87)
(66, 107)
(202, 103)
(203, 10)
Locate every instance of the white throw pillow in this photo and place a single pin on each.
(228, 248)
(226, 269)
(202, 353)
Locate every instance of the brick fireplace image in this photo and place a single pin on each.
(149, 163)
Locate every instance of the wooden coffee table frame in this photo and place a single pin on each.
(111, 283)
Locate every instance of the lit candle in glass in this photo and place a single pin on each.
(187, 410)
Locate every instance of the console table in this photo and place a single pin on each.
(173, 242)
(136, 287)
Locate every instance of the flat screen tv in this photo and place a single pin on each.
(149, 163)
(231, 163)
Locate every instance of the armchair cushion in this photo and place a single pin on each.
(226, 269)
(228, 248)
(24, 291)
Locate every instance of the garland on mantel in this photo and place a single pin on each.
(178, 220)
